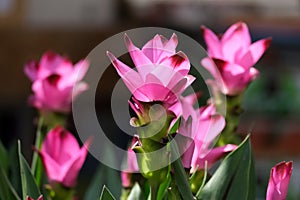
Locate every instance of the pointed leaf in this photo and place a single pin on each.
(4, 157)
(136, 193)
(103, 176)
(6, 189)
(106, 194)
(163, 188)
(179, 173)
(234, 179)
(94, 191)
(29, 186)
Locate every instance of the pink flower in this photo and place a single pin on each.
(131, 167)
(39, 198)
(62, 157)
(232, 57)
(201, 126)
(54, 78)
(279, 181)
(161, 75)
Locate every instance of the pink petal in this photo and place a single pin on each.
(212, 42)
(179, 62)
(159, 48)
(171, 44)
(279, 181)
(186, 149)
(53, 63)
(208, 130)
(138, 57)
(235, 41)
(60, 145)
(154, 49)
(214, 155)
(209, 65)
(71, 169)
(254, 53)
(126, 179)
(55, 98)
(130, 77)
(192, 98)
(152, 92)
(80, 70)
(52, 168)
(31, 70)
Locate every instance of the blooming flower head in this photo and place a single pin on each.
(232, 57)
(54, 79)
(62, 157)
(202, 126)
(279, 181)
(161, 75)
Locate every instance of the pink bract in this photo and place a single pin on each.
(131, 167)
(232, 56)
(54, 78)
(161, 74)
(200, 127)
(62, 157)
(279, 181)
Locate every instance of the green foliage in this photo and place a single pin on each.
(179, 172)
(234, 179)
(29, 186)
(136, 193)
(106, 194)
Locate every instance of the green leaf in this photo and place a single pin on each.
(163, 188)
(106, 194)
(6, 189)
(4, 157)
(136, 193)
(175, 126)
(29, 186)
(179, 172)
(14, 167)
(36, 164)
(93, 191)
(234, 179)
(103, 176)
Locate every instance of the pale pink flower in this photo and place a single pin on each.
(54, 78)
(200, 127)
(161, 74)
(62, 157)
(279, 181)
(232, 57)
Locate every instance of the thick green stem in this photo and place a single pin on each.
(233, 112)
(36, 164)
(153, 189)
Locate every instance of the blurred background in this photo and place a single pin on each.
(74, 27)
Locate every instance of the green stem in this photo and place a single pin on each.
(153, 189)
(38, 141)
(233, 112)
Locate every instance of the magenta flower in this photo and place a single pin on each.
(39, 198)
(201, 126)
(131, 167)
(232, 57)
(279, 181)
(54, 78)
(161, 75)
(62, 157)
